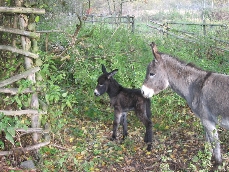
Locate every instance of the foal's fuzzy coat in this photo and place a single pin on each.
(124, 100)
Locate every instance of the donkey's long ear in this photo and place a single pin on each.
(112, 73)
(104, 69)
(155, 52)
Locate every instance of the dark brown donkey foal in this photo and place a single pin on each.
(124, 100)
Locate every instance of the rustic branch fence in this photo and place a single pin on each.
(129, 21)
(22, 19)
(188, 36)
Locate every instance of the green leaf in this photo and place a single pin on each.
(11, 131)
(37, 19)
(39, 62)
(9, 137)
(195, 159)
(65, 94)
(61, 161)
(68, 103)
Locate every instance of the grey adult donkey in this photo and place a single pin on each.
(124, 100)
(206, 93)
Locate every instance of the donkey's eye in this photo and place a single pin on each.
(151, 74)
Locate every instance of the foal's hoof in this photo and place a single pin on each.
(111, 138)
(124, 137)
(149, 147)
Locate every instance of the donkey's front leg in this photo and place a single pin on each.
(149, 131)
(149, 134)
(116, 122)
(213, 138)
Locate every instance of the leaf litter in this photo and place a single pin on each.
(174, 148)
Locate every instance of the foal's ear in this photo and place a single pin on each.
(112, 73)
(104, 69)
(155, 51)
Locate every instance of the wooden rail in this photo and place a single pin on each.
(21, 10)
(196, 24)
(20, 32)
(22, 112)
(18, 77)
(19, 51)
(26, 149)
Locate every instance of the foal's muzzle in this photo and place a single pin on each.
(96, 93)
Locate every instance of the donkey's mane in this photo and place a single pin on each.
(115, 84)
(189, 64)
(201, 80)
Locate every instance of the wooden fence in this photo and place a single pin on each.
(112, 20)
(168, 29)
(28, 37)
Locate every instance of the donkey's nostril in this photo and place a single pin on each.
(96, 93)
(142, 92)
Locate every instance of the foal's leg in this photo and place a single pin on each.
(117, 117)
(213, 138)
(149, 125)
(124, 125)
(149, 133)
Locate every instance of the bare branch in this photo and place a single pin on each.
(78, 27)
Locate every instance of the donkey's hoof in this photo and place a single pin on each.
(149, 147)
(112, 138)
(124, 137)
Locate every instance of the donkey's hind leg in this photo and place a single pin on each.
(213, 138)
(117, 117)
(123, 122)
